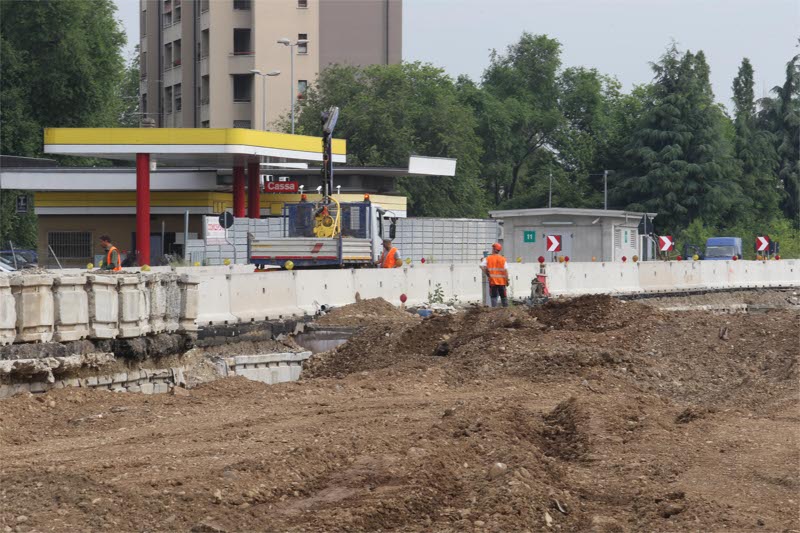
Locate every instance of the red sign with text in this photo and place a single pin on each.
(282, 186)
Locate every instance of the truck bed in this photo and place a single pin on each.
(311, 251)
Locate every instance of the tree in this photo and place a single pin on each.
(389, 112)
(129, 116)
(781, 116)
(681, 155)
(62, 66)
(521, 109)
(754, 150)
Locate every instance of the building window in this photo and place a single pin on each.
(177, 91)
(241, 42)
(302, 48)
(167, 56)
(143, 23)
(205, 42)
(302, 4)
(205, 88)
(168, 100)
(177, 16)
(241, 4)
(302, 87)
(22, 204)
(203, 6)
(70, 244)
(241, 124)
(143, 66)
(205, 124)
(176, 53)
(144, 107)
(242, 87)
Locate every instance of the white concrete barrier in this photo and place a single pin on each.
(33, 297)
(334, 288)
(521, 275)
(103, 306)
(258, 296)
(214, 307)
(8, 313)
(418, 284)
(183, 302)
(71, 302)
(388, 284)
(133, 311)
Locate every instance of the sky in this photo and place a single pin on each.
(617, 37)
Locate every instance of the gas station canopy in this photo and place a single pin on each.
(217, 148)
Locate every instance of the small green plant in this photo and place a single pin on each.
(437, 296)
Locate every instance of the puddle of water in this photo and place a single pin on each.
(322, 341)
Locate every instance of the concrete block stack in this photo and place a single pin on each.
(71, 308)
(33, 296)
(8, 313)
(103, 306)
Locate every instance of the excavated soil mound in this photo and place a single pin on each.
(365, 311)
(592, 313)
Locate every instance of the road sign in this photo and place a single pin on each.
(762, 243)
(226, 219)
(529, 236)
(665, 243)
(554, 243)
(645, 226)
(282, 186)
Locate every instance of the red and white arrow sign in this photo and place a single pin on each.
(554, 243)
(665, 243)
(762, 243)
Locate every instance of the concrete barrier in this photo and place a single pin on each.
(467, 283)
(133, 311)
(103, 306)
(183, 302)
(388, 284)
(8, 313)
(335, 288)
(71, 306)
(33, 297)
(215, 305)
(521, 275)
(257, 296)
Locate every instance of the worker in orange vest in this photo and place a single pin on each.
(494, 267)
(390, 258)
(113, 261)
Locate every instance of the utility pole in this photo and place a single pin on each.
(605, 190)
(550, 195)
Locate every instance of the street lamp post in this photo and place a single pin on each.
(264, 93)
(286, 42)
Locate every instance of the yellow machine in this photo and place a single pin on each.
(325, 224)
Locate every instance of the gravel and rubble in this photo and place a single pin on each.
(592, 415)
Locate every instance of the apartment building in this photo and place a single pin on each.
(197, 56)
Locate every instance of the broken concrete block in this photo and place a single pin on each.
(147, 388)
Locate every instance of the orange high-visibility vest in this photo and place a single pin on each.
(496, 270)
(389, 259)
(118, 266)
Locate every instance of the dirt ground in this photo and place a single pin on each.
(592, 415)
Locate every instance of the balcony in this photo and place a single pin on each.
(241, 63)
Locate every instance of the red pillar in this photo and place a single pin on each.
(238, 191)
(143, 208)
(253, 190)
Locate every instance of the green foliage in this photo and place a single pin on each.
(388, 113)
(437, 296)
(779, 229)
(682, 160)
(18, 228)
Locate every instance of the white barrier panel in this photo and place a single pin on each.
(263, 296)
(384, 283)
(33, 297)
(520, 277)
(134, 313)
(467, 283)
(103, 306)
(71, 305)
(214, 306)
(331, 287)
(8, 313)
(440, 277)
(656, 276)
(417, 285)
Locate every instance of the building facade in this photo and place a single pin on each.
(196, 56)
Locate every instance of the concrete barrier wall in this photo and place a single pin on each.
(76, 304)
(70, 305)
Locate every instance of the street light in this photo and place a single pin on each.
(286, 42)
(264, 93)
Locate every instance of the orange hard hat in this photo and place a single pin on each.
(497, 246)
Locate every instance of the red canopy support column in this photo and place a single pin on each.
(143, 208)
(253, 190)
(238, 191)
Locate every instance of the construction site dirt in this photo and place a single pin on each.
(592, 414)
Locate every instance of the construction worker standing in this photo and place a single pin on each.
(113, 261)
(494, 267)
(390, 258)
